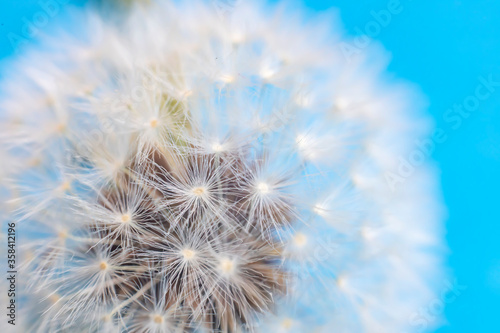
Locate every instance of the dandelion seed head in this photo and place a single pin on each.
(103, 266)
(125, 218)
(302, 141)
(65, 186)
(320, 209)
(300, 240)
(287, 323)
(63, 234)
(158, 319)
(60, 128)
(267, 73)
(342, 282)
(178, 170)
(199, 191)
(188, 254)
(263, 188)
(153, 123)
(217, 147)
(226, 78)
(227, 266)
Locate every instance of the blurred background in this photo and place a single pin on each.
(451, 50)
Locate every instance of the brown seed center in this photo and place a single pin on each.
(198, 191)
(153, 123)
(158, 319)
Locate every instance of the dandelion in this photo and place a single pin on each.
(178, 170)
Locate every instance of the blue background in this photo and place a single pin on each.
(443, 46)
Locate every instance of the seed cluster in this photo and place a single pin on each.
(178, 233)
(178, 169)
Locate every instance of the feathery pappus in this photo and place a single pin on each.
(178, 169)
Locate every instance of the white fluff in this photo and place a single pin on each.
(254, 105)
